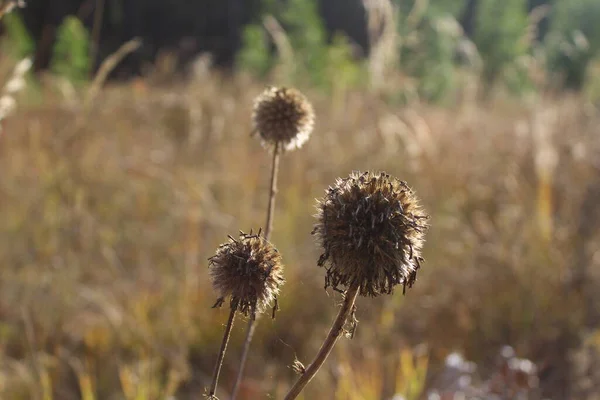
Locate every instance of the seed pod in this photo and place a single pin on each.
(248, 270)
(283, 115)
(372, 229)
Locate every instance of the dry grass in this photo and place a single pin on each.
(108, 224)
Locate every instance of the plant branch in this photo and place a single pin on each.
(272, 192)
(268, 229)
(334, 334)
(226, 335)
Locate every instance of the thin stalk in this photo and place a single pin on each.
(334, 334)
(268, 229)
(226, 335)
(272, 192)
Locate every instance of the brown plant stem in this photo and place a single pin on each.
(226, 335)
(272, 192)
(334, 333)
(268, 229)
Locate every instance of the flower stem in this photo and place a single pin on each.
(334, 333)
(272, 191)
(268, 229)
(226, 335)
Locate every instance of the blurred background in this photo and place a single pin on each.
(126, 159)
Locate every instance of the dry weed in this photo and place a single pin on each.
(104, 241)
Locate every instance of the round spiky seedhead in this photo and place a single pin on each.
(283, 115)
(249, 270)
(372, 230)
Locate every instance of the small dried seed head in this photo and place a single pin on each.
(372, 230)
(283, 115)
(249, 270)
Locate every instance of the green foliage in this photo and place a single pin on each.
(592, 82)
(452, 7)
(574, 40)
(580, 15)
(19, 43)
(503, 49)
(307, 36)
(315, 61)
(255, 55)
(71, 55)
(501, 38)
(568, 58)
(342, 71)
(428, 52)
(430, 38)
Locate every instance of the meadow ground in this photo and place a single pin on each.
(110, 210)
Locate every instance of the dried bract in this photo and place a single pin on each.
(283, 115)
(372, 229)
(249, 270)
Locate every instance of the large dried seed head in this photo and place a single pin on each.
(248, 270)
(372, 230)
(283, 115)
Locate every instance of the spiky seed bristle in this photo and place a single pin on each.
(249, 271)
(372, 229)
(283, 115)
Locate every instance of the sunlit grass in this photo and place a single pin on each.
(108, 227)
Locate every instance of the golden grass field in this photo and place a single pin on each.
(111, 208)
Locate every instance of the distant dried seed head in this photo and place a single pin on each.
(283, 115)
(372, 230)
(249, 270)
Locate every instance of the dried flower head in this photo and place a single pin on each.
(283, 115)
(249, 270)
(372, 230)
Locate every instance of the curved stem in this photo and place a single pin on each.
(268, 229)
(226, 335)
(327, 346)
